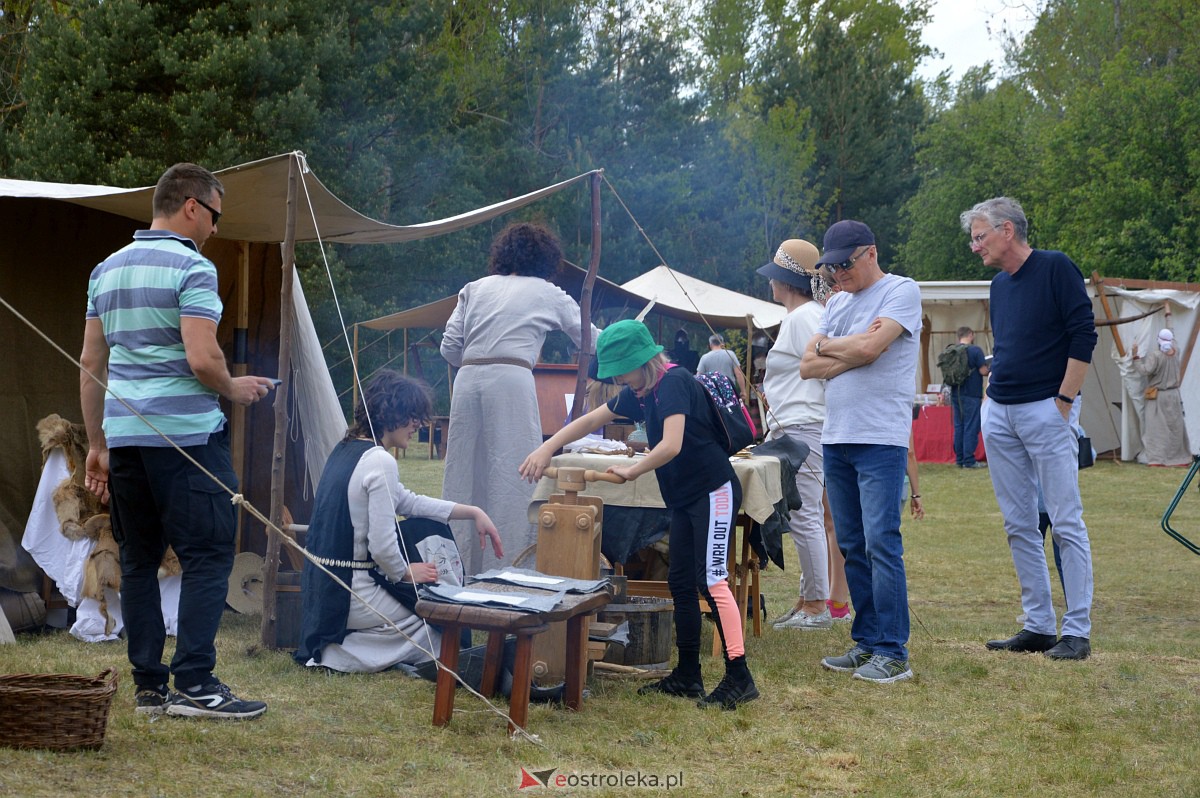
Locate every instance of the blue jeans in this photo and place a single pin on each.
(966, 427)
(1028, 445)
(864, 482)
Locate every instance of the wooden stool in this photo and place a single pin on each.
(573, 609)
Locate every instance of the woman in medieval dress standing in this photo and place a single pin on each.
(1164, 439)
(494, 337)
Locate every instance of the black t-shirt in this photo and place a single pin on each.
(701, 465)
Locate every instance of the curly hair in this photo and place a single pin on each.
(389, 401)
(526, 249)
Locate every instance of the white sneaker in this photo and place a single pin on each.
(802, 620)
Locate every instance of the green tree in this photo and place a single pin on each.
(984, 145)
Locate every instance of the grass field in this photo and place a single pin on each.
(972, 723)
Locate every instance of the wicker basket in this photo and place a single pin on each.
(55, 710)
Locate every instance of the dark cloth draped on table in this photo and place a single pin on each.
(627, 530)
(767, 538)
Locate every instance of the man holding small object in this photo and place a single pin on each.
(151, 337)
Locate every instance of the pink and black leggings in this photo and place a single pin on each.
(700, 537)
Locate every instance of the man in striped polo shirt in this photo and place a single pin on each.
(151, 336)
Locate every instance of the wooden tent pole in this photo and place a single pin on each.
(241, 334)
(1187, 352)
(585, 303)
(746, 372)
(1098, 282)
(279, 451)
(354, 372)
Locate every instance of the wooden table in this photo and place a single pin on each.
(761, 491)
(573, 609)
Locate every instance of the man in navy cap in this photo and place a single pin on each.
(866, 350)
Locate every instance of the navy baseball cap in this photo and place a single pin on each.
(842, 238)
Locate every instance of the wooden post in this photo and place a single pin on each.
(354, 372)
(237, 421)
(1098, 282)
(585, 303)
(279, 450)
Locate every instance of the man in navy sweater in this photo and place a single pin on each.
(1044, 332)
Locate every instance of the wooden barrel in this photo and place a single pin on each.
(650, 626)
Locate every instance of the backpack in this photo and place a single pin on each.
(730, 416)
(953, 363)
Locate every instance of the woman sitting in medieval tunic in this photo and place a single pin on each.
(354, 533)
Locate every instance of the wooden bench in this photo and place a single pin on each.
(500, 622)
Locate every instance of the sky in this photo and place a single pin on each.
(967, 33)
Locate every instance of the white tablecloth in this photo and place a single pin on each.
(761, 489)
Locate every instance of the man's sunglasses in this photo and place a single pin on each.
(216, 215)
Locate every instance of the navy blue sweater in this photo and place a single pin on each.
(1041, 316)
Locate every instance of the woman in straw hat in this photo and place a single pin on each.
(797, 411)
(700, 490)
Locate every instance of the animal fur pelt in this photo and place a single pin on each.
(73, 503)
(103, 568)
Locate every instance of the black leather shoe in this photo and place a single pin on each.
(1071, 647)
(1024, 641)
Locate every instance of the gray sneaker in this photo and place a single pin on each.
(802, 620)
(883, 669)
(849, 662)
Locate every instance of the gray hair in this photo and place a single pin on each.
(715, 340)
(996, 211)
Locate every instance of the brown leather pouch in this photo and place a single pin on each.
(1151, 393)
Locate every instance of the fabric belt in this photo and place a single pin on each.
(499, 361)
(356, 565)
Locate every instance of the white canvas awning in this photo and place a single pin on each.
(255, 206)
(689, 296)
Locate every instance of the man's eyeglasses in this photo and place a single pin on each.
(977, 239)
(846, 265)
(216, 215)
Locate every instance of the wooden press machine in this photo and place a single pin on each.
(568, 544)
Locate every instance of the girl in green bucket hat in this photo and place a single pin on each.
(699, 487)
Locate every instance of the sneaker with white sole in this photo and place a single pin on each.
(152, 701)
(882, 669)
(214, 700)
(803, 620)
(849, 662)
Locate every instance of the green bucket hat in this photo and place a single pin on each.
(624, 347)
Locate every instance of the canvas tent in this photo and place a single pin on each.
(54, 234)
(715, 305)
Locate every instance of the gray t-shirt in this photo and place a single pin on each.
(873, 403)
(721, 360)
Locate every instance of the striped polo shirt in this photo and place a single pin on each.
(140, 293)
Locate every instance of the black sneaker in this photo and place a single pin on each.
(674, 684)
(732, 692)
(214, 700)
(152, 701)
